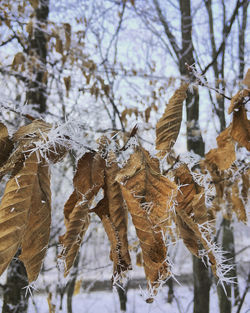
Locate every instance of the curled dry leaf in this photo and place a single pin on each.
(25, 140)
(237, 203)
(190, 213)
(36, 236)
(224, 155)
(89, 178)
(148, 195)
(237, 100)
(168, 127)
(245, 185)
(113, 215)
(6, 145)
(246, 80)
(241, 128)
(15, 211)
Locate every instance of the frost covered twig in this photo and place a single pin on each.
(202, 81)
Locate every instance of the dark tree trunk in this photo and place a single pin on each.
(201, 286)
(194, 143)
(122, 292)
(225, 302)
(15, 300)
(36, 88)
(71, 284)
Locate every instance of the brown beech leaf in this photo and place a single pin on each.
(168, 127)
(246, 80)
(88, 179)
(6, 145)
(25, 139)
(14, 209)
(190, 212)
(113, 215)
(241, 128)
(36, 237)
(224, 155)
(245, 185)
(237, 203)
(38, 130)
(148, 196)
(35, 130)
(237, 100)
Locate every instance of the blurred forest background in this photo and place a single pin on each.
(102, 67)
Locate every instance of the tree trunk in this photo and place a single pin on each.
(122, 292)
(71, 284)
(14, 297)
(224, 294)
(15, 300)
(194, 143)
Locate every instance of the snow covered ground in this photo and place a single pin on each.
(108, 302)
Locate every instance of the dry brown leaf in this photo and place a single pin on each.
(237, 203)
(19, 60)
(59, 45)
(241, 128)
(25, 139)
(14, 210)
(246, 80)
(113, 214)
(6, 144)
(77, 288)
(88, 179)
(34, 3)
(52, 307)
(36, 237)
(67, 83)
(245, 185)
(148, 196)
(168, 127)
(67, 29)
(224, 155)
(191, 211)
(237, 100)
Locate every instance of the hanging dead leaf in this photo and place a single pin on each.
(168, 127)
(34, 3)
(224, 155)
(6, 145)
(113, 214)
(148, 196)
(237, 101)
(241, 128)
(36, 237)
(89, 178)
(14, 210)
(246, 80)
(77, 288)
(139, 259)
(19, 60)
(191, 212)
(67, 29)
(245, 185)
(52, 306)
(237, 203)
(67, 83)
(29, 28)
(59, 45)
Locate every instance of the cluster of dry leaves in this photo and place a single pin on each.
(154, 201)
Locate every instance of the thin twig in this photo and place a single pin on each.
(31, 118)
(204, 83)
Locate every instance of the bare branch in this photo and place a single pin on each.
(226, 34)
